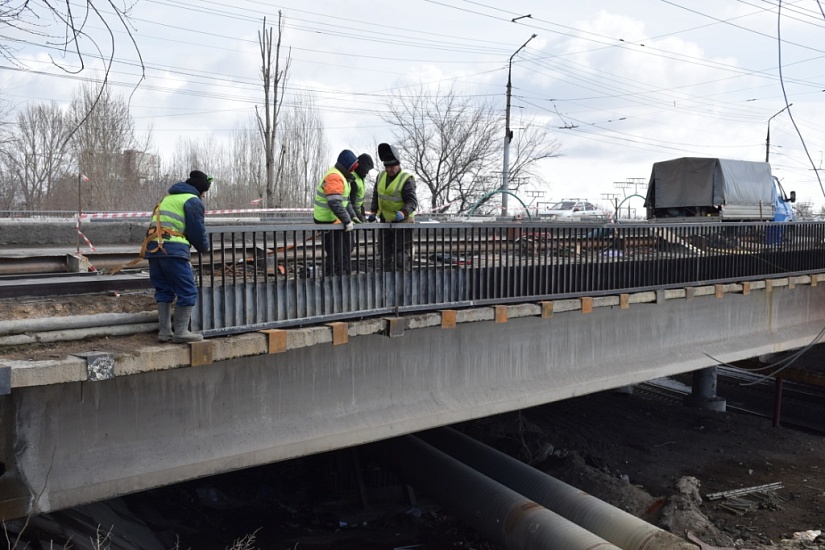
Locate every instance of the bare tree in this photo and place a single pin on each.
(274, 82)
(452, 145)
(248, 167)
(70, 31)
(303, 152)
(532, 145)
(446, 140)
(207, 155)
(7, 136)
(36, 157)
(804, 210)
(104, 131)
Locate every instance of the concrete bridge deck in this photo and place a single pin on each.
(86, 428)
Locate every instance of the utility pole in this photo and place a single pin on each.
(508, 135)
(768, 139)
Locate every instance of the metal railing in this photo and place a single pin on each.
(300, 274)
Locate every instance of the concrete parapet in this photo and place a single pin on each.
(170, 356)
(308, 336)
(523, 310)
(241, 345)
(44, 373)
(424, 320)
(605, 301)
(475, 315)
(153, 358)
(560, 306)
(24, 233)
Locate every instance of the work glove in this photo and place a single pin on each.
(349, 226)
(399, 216)
(356, 220)
(371, 218)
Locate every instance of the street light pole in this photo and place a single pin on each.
(768, 139)
(508, 135)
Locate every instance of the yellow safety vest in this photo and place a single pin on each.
(360, 193)
(171, 218)
(390, 200)
(320, 209)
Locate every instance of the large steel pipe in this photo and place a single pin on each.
(499, 513)
(605, 520)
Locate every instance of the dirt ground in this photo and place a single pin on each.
(31, 307)
(659, 460)
(80, 304)
(654, 458)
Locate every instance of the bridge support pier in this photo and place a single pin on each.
(703, 391)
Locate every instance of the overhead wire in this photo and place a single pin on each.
(331, 97)
(778, 366)
(785, 95)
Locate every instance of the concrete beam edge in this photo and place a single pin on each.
(165, 357)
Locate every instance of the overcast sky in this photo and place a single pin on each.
(620, 84)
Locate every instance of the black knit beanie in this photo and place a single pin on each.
(199, 181)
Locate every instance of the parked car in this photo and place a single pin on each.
(572, 210)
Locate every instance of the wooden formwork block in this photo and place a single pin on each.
(201, 353)
(690, 293)
(587, 305)
(624, 301)
(546, 310)
(719, 291)
(791, 283)
(746, 288)
(768, 285)
(277, 340)
(501, 314)
(340, 333)
(448, 318)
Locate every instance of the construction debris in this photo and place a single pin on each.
(742, 501)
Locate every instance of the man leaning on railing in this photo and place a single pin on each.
(394, 201)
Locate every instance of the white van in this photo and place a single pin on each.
(571, 209)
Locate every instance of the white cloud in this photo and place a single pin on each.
(625, 84)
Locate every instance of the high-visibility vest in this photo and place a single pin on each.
(170, 215)
(360, 193)
(320, 209)
(390, 200)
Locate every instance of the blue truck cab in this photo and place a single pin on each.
(782, 209)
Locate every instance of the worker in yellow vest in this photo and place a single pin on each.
(332, 206)
(177, 225)
(394, 201)
(359, 190)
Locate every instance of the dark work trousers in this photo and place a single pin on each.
(397, 248)
(173, 278)
(337, 251)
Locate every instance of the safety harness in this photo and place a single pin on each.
(156, 233)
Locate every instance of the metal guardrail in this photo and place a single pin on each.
(274, 276)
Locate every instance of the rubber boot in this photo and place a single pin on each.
(182, 334)
(164, 321)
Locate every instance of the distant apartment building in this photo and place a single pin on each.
(140, 167)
